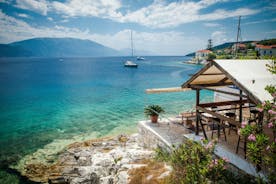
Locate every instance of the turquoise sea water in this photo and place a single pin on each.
(47, 99)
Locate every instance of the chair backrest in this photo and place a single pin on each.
(252, 107)
(233, 108)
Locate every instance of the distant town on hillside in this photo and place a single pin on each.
(264, 49)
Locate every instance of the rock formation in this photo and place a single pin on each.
(103, 161)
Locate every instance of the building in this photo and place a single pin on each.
(239, 47)
(253, 44)
(266, 50)
(201, 57)
(202, 54)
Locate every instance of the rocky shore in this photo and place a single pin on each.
(98, 161)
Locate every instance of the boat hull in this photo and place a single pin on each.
(130, 64)
(133, 66)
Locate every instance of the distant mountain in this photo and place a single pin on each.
(223, 46)
(191, 54)
(56, 47)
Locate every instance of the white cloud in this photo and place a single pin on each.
(39, 6)
(95, 8)
(64, 20)
(159, 14)
(261, 21)
(50, 18)
(219, 37)
(23, 15)
(163, 43)
(208, 24)
(223, 14)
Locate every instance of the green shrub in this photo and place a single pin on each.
(193, 163)
(152, 110)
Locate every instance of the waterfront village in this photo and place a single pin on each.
(264, 49)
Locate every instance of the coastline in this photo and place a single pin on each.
(42, 122)
(48, 153)
(102, 160)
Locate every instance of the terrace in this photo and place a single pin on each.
(239, 85)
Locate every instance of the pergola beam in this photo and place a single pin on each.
(224, 103)
(217, 90)
(166, 90)
(213, 84)
(212, 74)
(221, 117)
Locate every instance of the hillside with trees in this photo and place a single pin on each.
(243, 50)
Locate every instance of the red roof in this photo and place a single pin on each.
(205, 51)
(241, 45)
(264, 46)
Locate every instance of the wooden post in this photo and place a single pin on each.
(240, 120)
(197, 112)
(240, 117)
(260, 120)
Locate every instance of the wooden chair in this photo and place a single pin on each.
(218, 125)
(187, 116)
(231, 115)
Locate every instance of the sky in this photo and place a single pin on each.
(159, 27)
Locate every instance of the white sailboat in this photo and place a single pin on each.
(130, 63)
(140, 58)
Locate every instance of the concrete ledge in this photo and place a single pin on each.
(165, 135)
(235, 160)
(149, 138)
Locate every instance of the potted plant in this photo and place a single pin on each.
(153, 111)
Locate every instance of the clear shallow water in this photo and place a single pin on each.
(45, 99)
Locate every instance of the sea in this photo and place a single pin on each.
(48, 103)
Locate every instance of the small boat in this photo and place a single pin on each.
(130, 64)
(140, 58)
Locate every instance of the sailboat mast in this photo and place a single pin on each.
(131, 43)
(238, 35)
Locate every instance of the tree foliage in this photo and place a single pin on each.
(261, 149)
(268, 42)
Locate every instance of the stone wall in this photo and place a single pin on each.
(148, 138)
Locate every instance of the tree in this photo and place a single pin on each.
(210, 45)
(211, 56)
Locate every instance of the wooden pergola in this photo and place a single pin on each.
(249, 77)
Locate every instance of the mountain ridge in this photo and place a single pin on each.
(56, 47)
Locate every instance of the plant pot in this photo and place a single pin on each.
(154, 118)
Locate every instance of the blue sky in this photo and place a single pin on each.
(159, 26)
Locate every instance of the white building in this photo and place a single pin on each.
(266, 50)
(202, 54)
